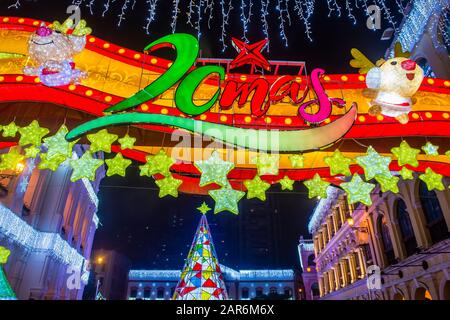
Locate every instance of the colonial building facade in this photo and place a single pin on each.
(309, 273)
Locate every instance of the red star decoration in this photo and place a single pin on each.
(249, 54)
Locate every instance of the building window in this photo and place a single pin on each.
(147, 293)
(386, 240)
(315, 292)
(244, 294)
(406, 229)
(288, 292)
(133, 293)
(433, 214)
(172, 291)
(160, 293)
(273, 290)
(259, 292)
(311, 262)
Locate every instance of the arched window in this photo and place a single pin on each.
(406, 229)
(386, 240)
(433, 214)
(147, 293)
(259, 292)
(311, 262)
(244, 294)
(160, 293)
(315, 292)
(133, 293)
(288, 292)
(273, 290)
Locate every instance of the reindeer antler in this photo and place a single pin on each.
(360, 61)
(63, 28)
(82, 29)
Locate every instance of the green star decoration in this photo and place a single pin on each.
(10, 160)
(4, 254)
(256, 188)
(448, 153)
(406, 174)
(358, 190)
(158, 163)
(58, 145)
(10, 130)
(432, 179)
(204, 208)
(317, 187)
(85, 167)
(226, 199)
(32, 134)
(32, 152)
(338, 164)
(117, 165)
(430, 149)
(101, 141)
(127, 142)
(266, 164)
(214, 170)
(297, 161)
(406, 155)
(286, 183)
(168, 186)
(388, 183)
(52, 163)
(374, 164)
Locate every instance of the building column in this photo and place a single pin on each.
(342, 265)
(352, 262)
(326, 283)
(324, 237)
(337, 276)
(362, 262)
(336, 221)
(321, 289)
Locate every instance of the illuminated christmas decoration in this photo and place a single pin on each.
(297, 161)
(101, 141)
(32, 134)
(11, 160)
(226, 199)
(286, 183)
(201, 278)
(406, 174)
(214, 170)
(317, 187)
(406, 155)
(32, 152)
(388, 183)
(57, 145)
(127, 142)
(430, 149)
(204, 208)
(168, 186)
(338, 163)
(358, 191)
(85, 167)
(267, 164)
(447, 153)
(432, 179)
(51, 163)
(250, 54)
(374, 164)
(256, 188)
(117, 165)
(10, 130)
(158, 163)
(6, 292)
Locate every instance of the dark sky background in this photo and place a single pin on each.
(157, 233)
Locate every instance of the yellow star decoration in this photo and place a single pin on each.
(204, 208)
(256, 188)
(266, 164)
(432, 179)
(338, 164)
(4, 254)
(127, 142)
(51, 164)
(58, 145)
(297, 160)
(101, 141)
(406, 174)
(117, 165)
(388, 183)
(406, 155)
(358, 190)
(85, 167)
(32, 152)
(168, 186)
(374, 164)
(226, 199)
(214, 170)
(10, 130)
(286, 183)
(317, 187)
(11, 160)
(32, 134)
(430, 149)
(158, 163)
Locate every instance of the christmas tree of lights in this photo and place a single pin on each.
(201, 278)
(6, 292)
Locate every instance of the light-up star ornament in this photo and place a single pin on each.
(32, 134)
(10, 160)
(214, 170)
(432, 179)
(430, 149)
(10, 130)
(406, 174)
(4, 254)
(158, 163)
(388, 183)
(338, 163)
(58, 145)
(286, 183)
(374, 164)
(101, 141)
(117, 165)
(226, 199)
(266, 164)
(358, 190)
(51, 164)
(168, 186)
(256, 188)
(406, 155)
(204, 208)
(317, 187)
(127, 142)
(297, 161)
(85, 167)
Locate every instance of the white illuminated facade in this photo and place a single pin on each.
(48, 223)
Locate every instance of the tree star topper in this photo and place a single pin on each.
(317, 187)
(214, 170)
(256, 188)
(204, 208)
(226, 199)
(249, 54)
(358, 190)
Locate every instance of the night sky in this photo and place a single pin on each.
(157, 233)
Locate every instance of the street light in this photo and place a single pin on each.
(351, 224)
